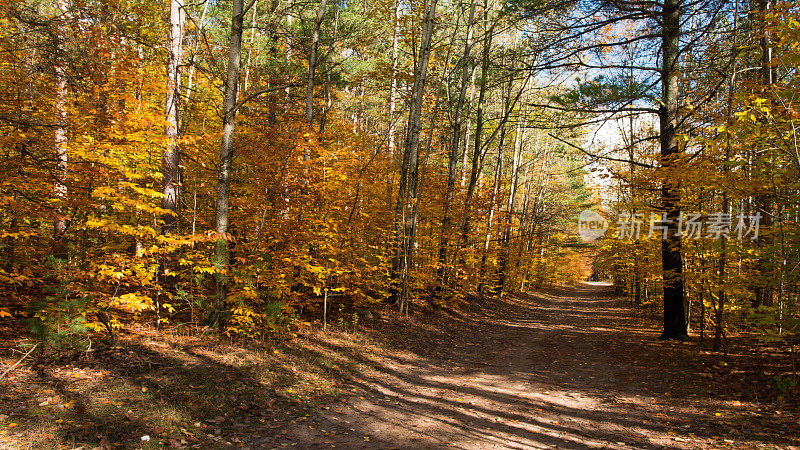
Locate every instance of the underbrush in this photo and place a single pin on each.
(176, 387)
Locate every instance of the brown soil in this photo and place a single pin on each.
(567, 369)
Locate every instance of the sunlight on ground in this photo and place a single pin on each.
(538, 371)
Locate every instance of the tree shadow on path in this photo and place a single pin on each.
(565, 368)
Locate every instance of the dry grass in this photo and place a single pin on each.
(178, 388)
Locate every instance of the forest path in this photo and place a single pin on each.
(566, 369)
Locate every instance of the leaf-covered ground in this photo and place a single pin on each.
(570, 368)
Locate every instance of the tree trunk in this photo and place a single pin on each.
(702, 301)
(719, 330)
(637, 260)
(200, 25)
(476, 154)
(454, 146)
(465, 153)
(61, 222)
(763, 202)
(253, 23)
(505, 242)
(497, 172)
(170, 160)
(393, 83)
(328, 101)
(221, 254)
(312, 67)
(409, 168)
(672, 266)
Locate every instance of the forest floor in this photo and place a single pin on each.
(564, 368)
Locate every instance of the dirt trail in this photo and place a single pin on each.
(568, 369)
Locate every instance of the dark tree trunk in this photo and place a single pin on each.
(719, 330)
(763, 202)
(671, 263)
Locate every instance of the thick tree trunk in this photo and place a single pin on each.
(454, 147)
(170, 160)
(221, 254)
(672, 266)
